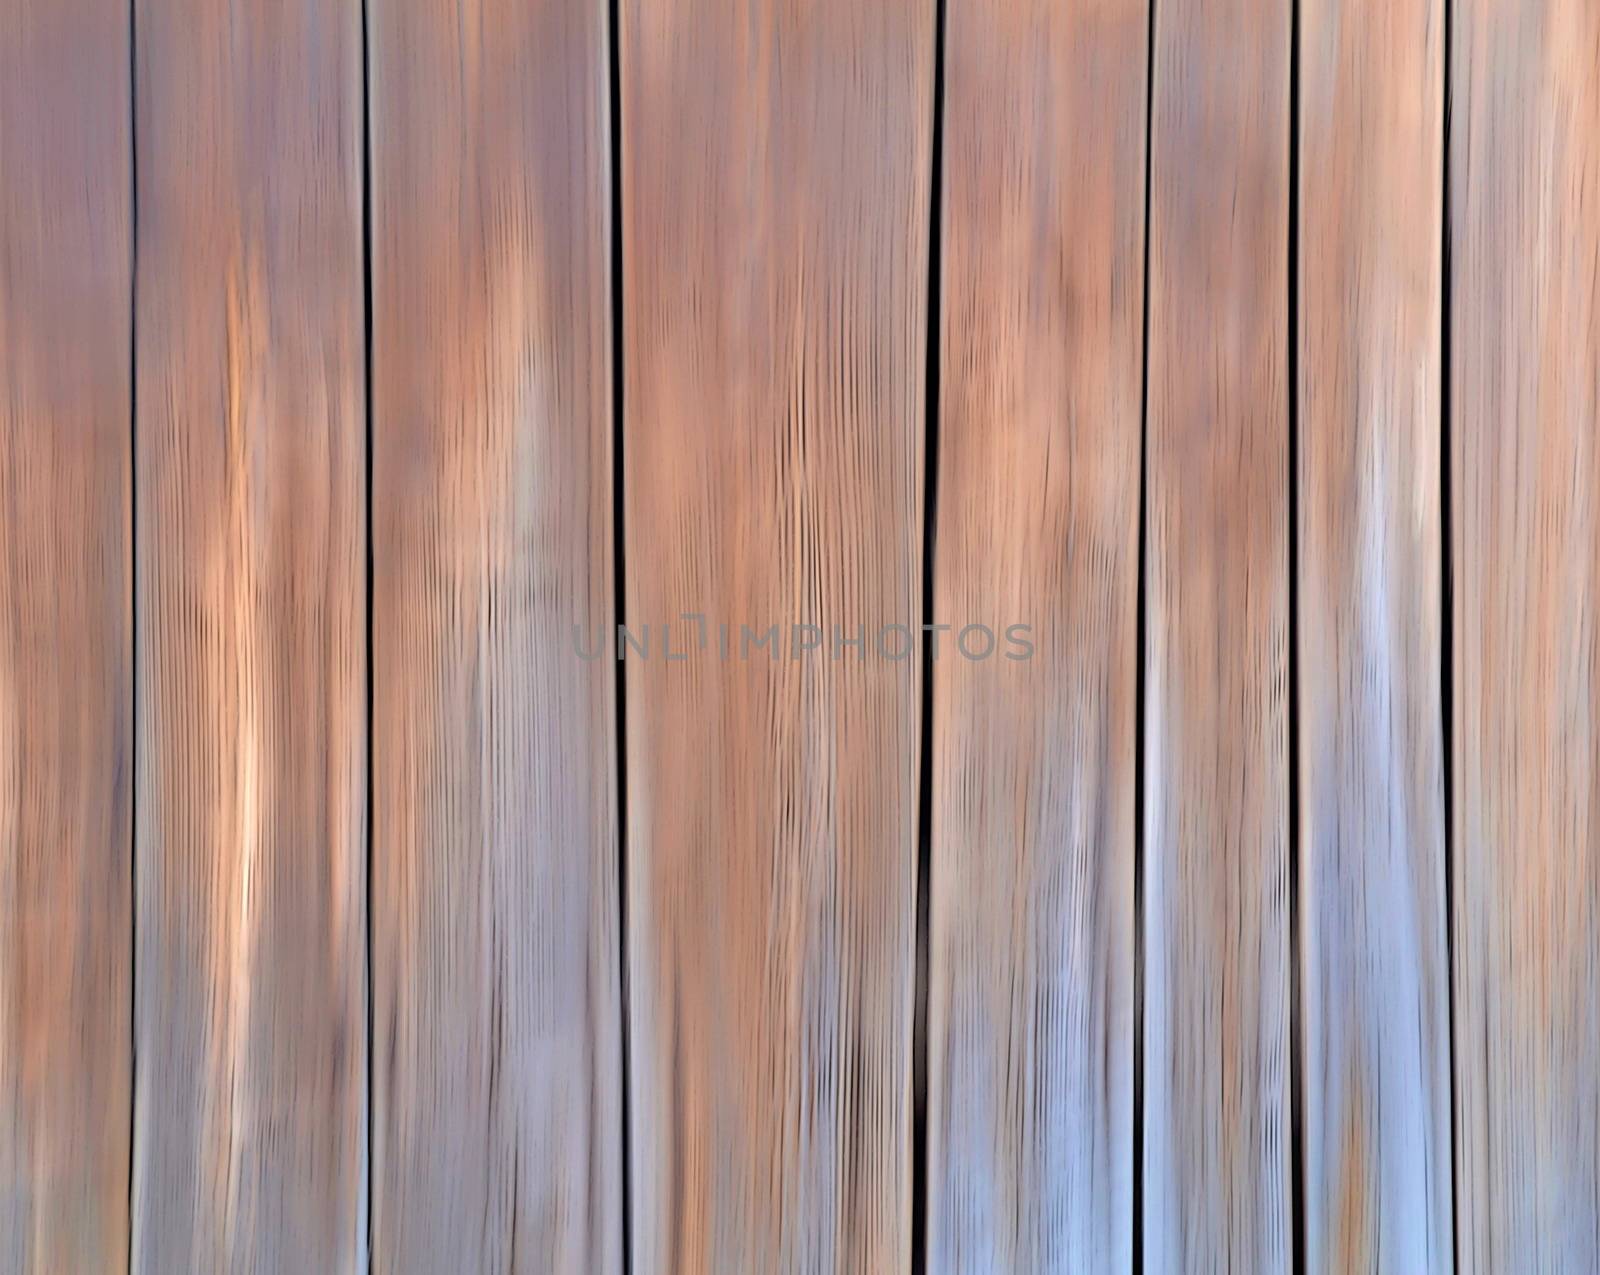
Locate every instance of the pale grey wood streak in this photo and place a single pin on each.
(66, 688)
(495, 893)
(250, 1103)
(1216, 1076)
(1375, 996)
(1030, 1131)
(1525, 485)
(775, 178)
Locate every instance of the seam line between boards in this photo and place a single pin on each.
(922, 892)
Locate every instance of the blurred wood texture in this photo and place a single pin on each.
(496, 949)
(250, 1103)
(1525, 538)
(1247, 351)
(1374, 966)
(1030, 1119)
(66, 642)
(1217, 1085)
(776, 214)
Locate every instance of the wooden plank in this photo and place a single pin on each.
(66, 689)
(250, 1101)
(1525, 537)
(1216, 974)
(495, 893)
(1030, 1125)
(1374, 990)
(776, 172)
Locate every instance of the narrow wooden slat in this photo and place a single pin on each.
(1030, 1136)
(1216, 1063)
(1525, 535)
(250, 1103)
(1375, 996)
(66, 690)
(497, 1079)
(775, 177)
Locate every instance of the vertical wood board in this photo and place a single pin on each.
(66, 686)
(1030, 1125)
(1525, 537)
(1217, 1139)
(775, 183)
(496, 951)
(250, 1107)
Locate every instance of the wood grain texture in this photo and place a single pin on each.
(66, 688)
(1525, 483)
(776, 170)
(1216, 1075)
(495, 893)
(250, 1103)
(1030, 1132)
(1374, 964)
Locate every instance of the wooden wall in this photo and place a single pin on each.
(367, 901)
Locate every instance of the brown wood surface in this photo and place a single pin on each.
(66, 689)
(1525, 538)
(185, 643)
(775, 177)
(1374, 966)
(1030, 1125)
(1217, 1138)
(497, 1082)
(250, 872)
